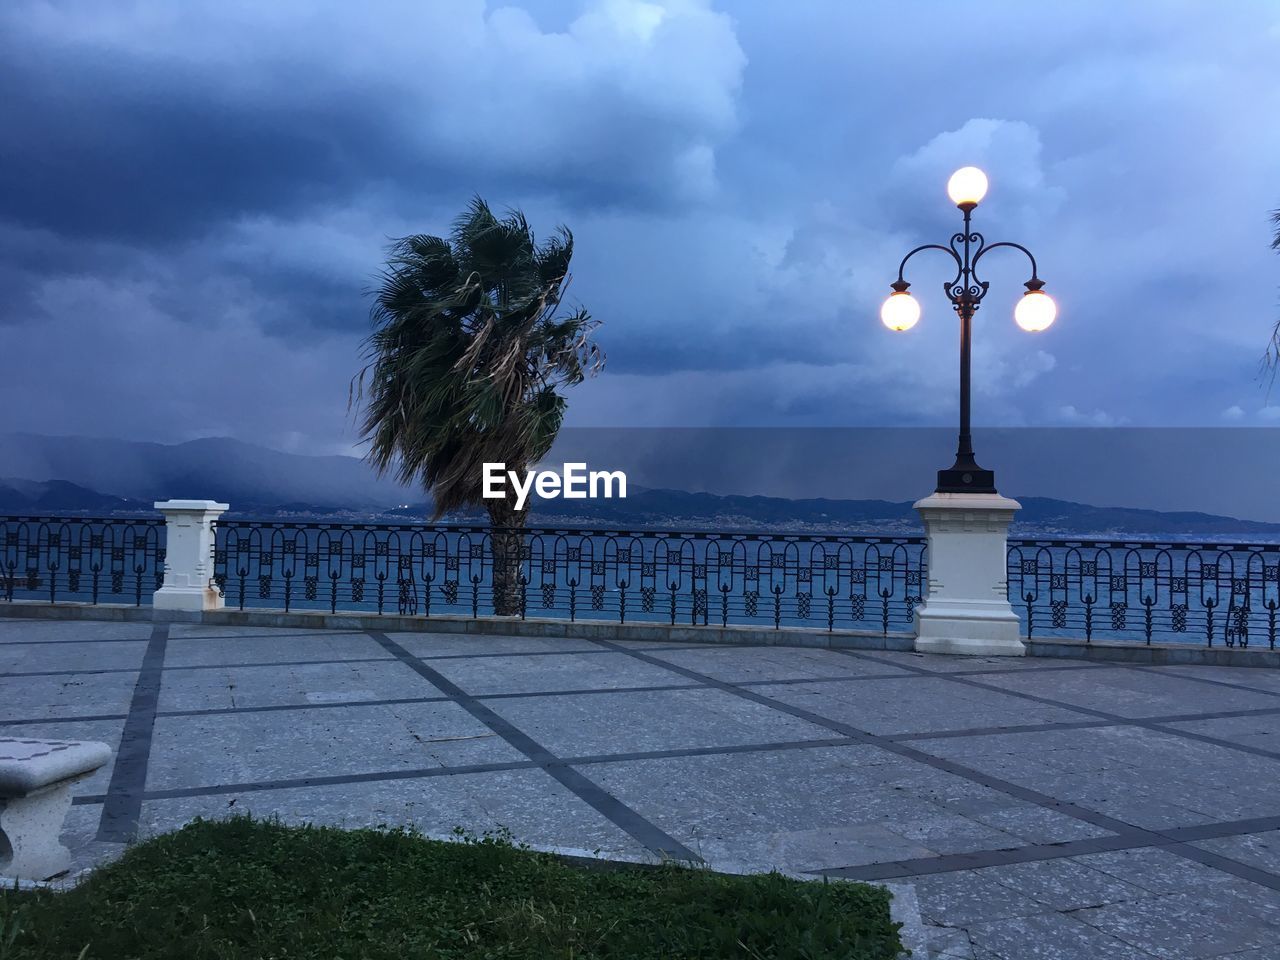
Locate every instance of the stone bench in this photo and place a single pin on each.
(35, 795)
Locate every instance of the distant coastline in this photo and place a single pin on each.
(76, 476)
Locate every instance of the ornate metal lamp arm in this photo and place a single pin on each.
(928, 246)
(966, 291)
(1035, 283)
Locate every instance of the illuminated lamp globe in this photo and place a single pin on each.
(900, 311)
(967, 186)
(1036, 311)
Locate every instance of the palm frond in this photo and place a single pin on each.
(1271, 357)
(468, 352)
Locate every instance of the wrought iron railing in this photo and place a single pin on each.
(1223, 594)
(81, 560)
(700, 579)
(1214, 594)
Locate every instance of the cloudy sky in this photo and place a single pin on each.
(195, 196)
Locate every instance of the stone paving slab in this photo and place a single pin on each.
(1127, 692)
(1150, 779)
(916, 704)
(1268, 680)
(934, 663)
(747, 664)
(179, 631)
(1034, 808)
(555, 671)
(56, 631)
(203, 651)
(629, 722)
(1261, 850)
(1062, 885)
(1260, 733)
(841, 805)
(1048, 936)
(302, 684)
(460, 645)
(1159, 871)
(37, 658)
(35, 698)
(530, 804)
(1123, 904)
(258, 747)
(1190, 925)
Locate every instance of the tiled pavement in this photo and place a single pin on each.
(1042, 809)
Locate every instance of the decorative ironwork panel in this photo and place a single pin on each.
(1118, 614)
(1179, 587)
(81, 559)
(680, 575)
(804, 602)
(1184, 591)
(1059, 613)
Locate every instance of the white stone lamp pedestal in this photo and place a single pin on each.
(966, 609)
(188, 558)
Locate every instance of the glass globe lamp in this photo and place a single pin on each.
(901, 311)
(1036, 311)
(967, 187)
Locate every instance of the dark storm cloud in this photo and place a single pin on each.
(115, 149)
(194, 199)
(142, 146)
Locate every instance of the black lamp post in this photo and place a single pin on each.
(1035, 312)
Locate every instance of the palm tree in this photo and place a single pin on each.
(465, 364)
(1272, 358)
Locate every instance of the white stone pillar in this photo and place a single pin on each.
(966, 609)
(188, 558)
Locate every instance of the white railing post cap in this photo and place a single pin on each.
(207, 506)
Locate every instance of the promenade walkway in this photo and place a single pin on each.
(1039, 808)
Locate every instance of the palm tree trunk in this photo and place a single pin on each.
(507, 540)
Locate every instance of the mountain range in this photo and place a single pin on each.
(40, 474)
(1038, 516)
(215, 468)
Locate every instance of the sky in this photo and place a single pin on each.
(196, 198)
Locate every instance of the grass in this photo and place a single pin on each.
(241, 888)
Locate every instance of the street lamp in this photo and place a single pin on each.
(1034, 312)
